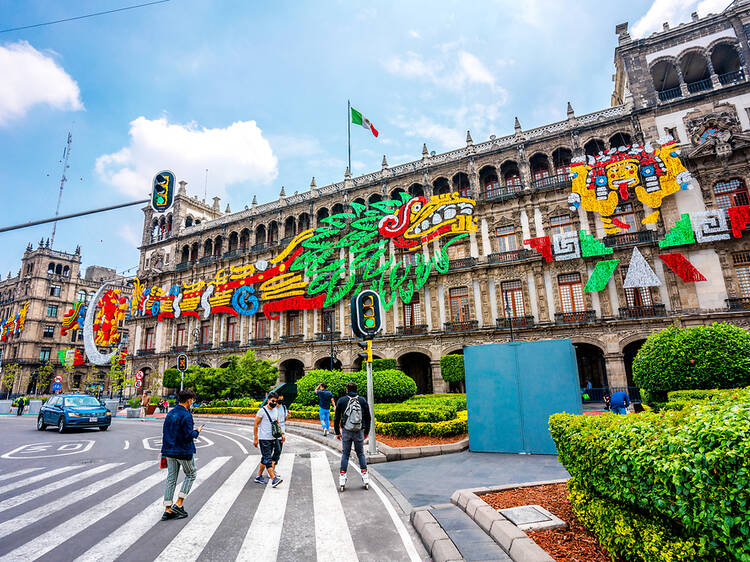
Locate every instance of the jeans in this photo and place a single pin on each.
(173, 470)
(277, 446)
(347, 438)
(19, 410)
(267, 449)
(617, 410)
(325, 418)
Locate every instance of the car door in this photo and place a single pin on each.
(48, 408)
(56, 411)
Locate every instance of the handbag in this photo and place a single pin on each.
(163, 462)
(276, 432)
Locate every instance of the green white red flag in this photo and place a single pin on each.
(362, 121)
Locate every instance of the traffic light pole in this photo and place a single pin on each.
(372, 444)
(73, 215)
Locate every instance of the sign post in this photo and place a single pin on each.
(182, 365)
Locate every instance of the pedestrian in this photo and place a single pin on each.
(265, 432)
(145, 400)
(352, 425)
(178, 448)
(325, 400)
(278, 444)
(619, 402)
(21, 403)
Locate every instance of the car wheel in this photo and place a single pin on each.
(40, 425)
(61, 425)
(103, 427)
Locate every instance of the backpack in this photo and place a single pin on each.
(276, 432)
(353, 414)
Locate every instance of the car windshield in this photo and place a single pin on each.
(81, 401)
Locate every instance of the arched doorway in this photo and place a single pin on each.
(417, 366)
(325, 363)
(291, 370)
(629, 352)
(591, 365)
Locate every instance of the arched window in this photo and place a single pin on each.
(233, 238)
(244, 239)
(303, 222)
(374, 198)
(461, 184)
(695, 71)
(290, 227)
(511, 175)
(489, 182)
(185, 254)
(416, 190)
(260, 235)
(665, 80)
(208, 248)
(154, 231)
(58, 269)
(273, 232)
(561, 161)
(321, 214)
(337, 209)
(189, 221)
(66, 271)
(51, 267)
(218, 243)
(396, 194)
(539, 164)
(194, 252)
(81, 295)
(726, 63)
(730, 193)
(441, 186)
(620, 139)
(594, 147)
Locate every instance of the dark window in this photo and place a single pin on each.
(52, 310)
(231, 328)
(329, 320)
(412, 312)
(731, 193)
(49, 332)
(149, 338)
(180, 341)
(205, 332)
(260, 328)
(512, 298)
(293, 323)
(54, 290)
(44, 353)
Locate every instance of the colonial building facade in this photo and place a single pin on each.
(689, 83)
(47, 285)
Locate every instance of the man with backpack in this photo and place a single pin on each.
(352, 425)
(265, 432)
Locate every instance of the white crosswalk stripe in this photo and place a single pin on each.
(36, 478)
(54, 486)
(17, 473)
(262, 539)
(190, 542)
(333, 541)
(29, 517)
(116, 544)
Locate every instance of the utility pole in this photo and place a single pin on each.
(63, 179)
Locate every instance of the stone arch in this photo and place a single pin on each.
(321, 214)
(324, 362)
(374, 198)
(511, 173)
(561, 158)
(594, 146)
(361, 201)
(396, 193)
(629, 352)
(726, 58)
(620, 138)
(591, 362)
(260, 234)
(694, 66)
(291, 370)
(303, 222)
(194, 251)
(233, 241)
(416, 190)
(185, 254)
(218, 244)
(461, 184)
(208, 246)
(357, 365)
(244, 241)
(418, 366)
(273, 232)
(58, 269)
(290, 227)
(188, 221)
(441, 185)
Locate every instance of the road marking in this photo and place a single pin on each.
(37, 478)
(154, 443)
(133, 530)
(127, 444)
(193, 538)
(32, 450)
(56, 485)
(41, 545)
(262, 538)
(18, 473)
(29, 517)
(242, 448)
(333, 539)
(240, 435)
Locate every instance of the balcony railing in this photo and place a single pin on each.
(412, 330)
(178, 348)
(699, 86)
(207, 259)
(327, 336)
(670, 94)
(232, 254)
(260, 247)
(738, 303)
(629, 239)
(230, 344)
(258, 342)
(499, 193)
(732, 77)
(203, 346)
(650, 311)
(462, 326)
(580, 317)
(292, 338)
(514, 255)
(144, 352)
(285, 241)
(462, 263)
(558, 180)
(515, 321)
(182, 266)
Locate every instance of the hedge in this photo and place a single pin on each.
(390, 385)
(626, 533)
(452, 368)
(438, 429)
(703, 357)
(383, 365)
(690, 467)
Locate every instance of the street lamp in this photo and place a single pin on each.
(509, 318)
(196, 335)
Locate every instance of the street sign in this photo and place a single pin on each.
(162, 194)
(58, 378)
(56, 386)
(182, 362)
(138, 383)
(139, 375)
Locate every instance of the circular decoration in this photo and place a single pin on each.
(244, 301)
(648, 171)
(155, 308)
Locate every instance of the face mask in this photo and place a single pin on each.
(271, 404)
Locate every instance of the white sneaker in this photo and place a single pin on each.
(325, 432)
(365, 478)
(342, 480)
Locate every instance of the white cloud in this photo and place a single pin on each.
(474, 70)
(29, 78)
(415, 34)
(412, 66)
(234, 154)
(674, 12)
(129, 235)
(294, 146)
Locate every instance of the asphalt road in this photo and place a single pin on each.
(88, 495)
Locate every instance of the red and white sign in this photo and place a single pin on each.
(138, 383)
(58, 378)
(139, 375)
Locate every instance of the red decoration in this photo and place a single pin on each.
(78, 358)
(541, 245)
(292, 303)
(682, 267)
(740, 218)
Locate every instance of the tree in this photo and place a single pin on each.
(115, 374)
(452, 369)
(245, 375)
(44, 378)
(10, 372)
(69, 368)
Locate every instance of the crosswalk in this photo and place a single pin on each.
(112, 511)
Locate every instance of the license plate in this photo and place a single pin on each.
(93, 419)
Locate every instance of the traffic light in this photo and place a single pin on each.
(366, 314)
(182, 362)
(162, 192)
(367, 347)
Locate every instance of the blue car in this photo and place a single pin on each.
(67, 411)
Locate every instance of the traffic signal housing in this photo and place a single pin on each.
(366, 313)
(182, 362)
(162, 191)
(367, 347)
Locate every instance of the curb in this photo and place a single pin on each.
(510, 538)
(436, 541)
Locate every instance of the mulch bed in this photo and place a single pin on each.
(575, 544)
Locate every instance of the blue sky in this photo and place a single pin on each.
(256, 92)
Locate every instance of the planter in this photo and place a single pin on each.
(133, 412)
(5, 406)
(35, 406)
(112, 405)
(150, 409)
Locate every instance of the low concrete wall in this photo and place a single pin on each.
(35, 406)
(5, 406)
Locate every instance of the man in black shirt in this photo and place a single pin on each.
(325, 399)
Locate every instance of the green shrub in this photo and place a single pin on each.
(171, 378)
(452, 368)
(691, 467)
(447, 428)
(626, 533)
(383, 365)
(390, 386)
(415, 414)
(134, 402)
(720, 356)
(154, 400)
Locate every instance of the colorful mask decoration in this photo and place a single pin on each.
(73, 319)
(111, 311)
(13, 326)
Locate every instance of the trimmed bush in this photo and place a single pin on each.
(415, 414)
(720, 356)
(627, 533)
(171, 378)
(383, 365)
(452, 368)
(447, 428)
(390, 386)
(691, 467)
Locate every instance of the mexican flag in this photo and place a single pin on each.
(361, 120)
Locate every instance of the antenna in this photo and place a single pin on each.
(63, 179)
(205, 185)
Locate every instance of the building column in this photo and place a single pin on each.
(615, 365)
(714, 78)
(438, 384)
(683, 87)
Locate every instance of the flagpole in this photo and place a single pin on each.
(349, 131)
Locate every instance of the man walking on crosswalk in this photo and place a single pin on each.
(265, 432)
(351, 424)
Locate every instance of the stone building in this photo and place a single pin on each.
(50, 281)
(689, 83)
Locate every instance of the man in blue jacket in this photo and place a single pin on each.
(619, 402)
(178, 448)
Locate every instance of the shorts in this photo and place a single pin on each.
(266, 451)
